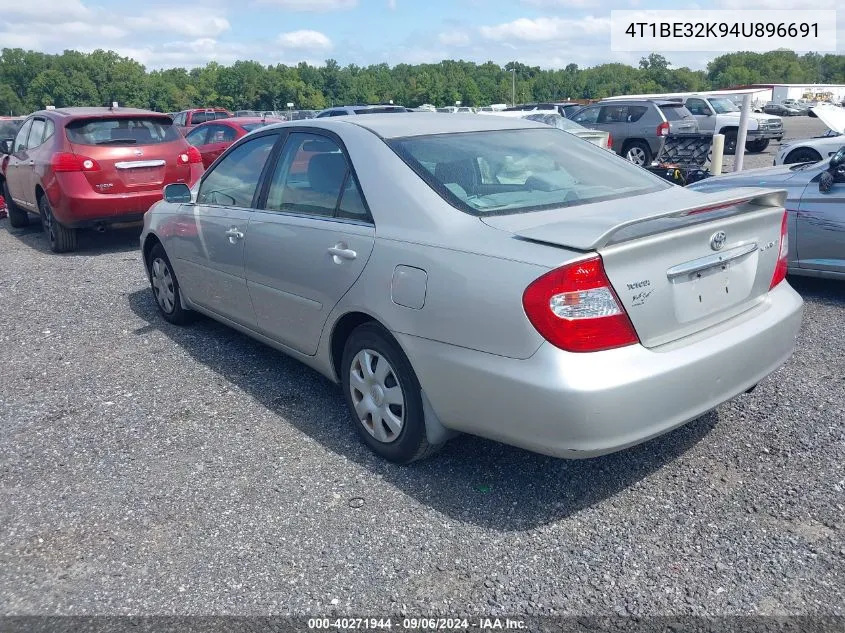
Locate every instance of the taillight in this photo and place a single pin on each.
(191, 156)
(609, 141)
(65, 161)
(782, 265)
(575, 308)
(663, 129)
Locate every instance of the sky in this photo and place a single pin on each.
(545, 33)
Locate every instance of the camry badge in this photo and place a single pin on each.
(717, 240)
(138, 152)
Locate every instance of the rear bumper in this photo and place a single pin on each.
(76, 205)
(583, 405)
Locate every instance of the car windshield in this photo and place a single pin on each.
(723, 105)
(122, 131)
(512, 171)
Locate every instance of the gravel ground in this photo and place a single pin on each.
(150, 469)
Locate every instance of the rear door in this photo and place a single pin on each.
(614, 119)
(218, 138)
(40, 154)
(310, 241)
(131, 154)
(209, 257)
(821, 228)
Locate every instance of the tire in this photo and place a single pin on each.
(637, 152)
(757, 146)
(800, 155)
(730, 142)
(165, 288)
(18, 217)
(367, 385)
(61, 238)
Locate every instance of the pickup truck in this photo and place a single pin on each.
(185, 120)
(720, 115)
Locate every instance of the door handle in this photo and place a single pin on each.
(339, 252)
(234, 235)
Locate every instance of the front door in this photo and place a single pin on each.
(19, 168)
(821, 228)
(309, 243)
(209, 243)
(703, 114)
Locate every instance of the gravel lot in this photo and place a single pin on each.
(149, 469)
(796, 127)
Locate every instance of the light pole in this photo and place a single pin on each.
(513, 86)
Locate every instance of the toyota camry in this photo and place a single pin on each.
(484, 275)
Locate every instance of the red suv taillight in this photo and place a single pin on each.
(191, 156)
(65, 161)
(609, 141)
(781, 266)
(663, 129)
(575, 308)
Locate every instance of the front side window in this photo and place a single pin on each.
(221, 134)
(697, 106)
(20, 139)
(313, 177)
(511, 171)
(234, 180)
(587, 116)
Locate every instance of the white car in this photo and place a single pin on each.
(811, 150)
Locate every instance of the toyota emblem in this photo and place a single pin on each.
(717, 240)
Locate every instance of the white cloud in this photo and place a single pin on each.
(45, 10)
(546, 29)
(315, 6)
(201, 24)
(391, 4)
(562, 4)
(454, 38)
(305, 40)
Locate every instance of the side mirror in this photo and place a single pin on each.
(177, 193)
(826, 182)
(6, 146)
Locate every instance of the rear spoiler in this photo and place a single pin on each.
(594, 231)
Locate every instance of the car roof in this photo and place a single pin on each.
(243, 120)
(91, 111)
(423, 124)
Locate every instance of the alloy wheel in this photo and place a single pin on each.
(636, 155)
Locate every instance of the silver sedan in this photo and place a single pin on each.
(483, 275)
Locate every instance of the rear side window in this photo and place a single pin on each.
(613, 114)
(635, 113)
(675, 112)
(122, 131)
(36, 134)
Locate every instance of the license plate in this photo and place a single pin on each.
(141, 175)
(708, 291)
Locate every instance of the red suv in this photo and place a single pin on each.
(92, 167)
(187, 119)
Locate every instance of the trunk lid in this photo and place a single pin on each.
(832, 116)
(134, 155)
(664, 265)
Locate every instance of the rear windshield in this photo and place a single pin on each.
(202, 117)
(378, 110)
(249, 127)
(512, 171)
(674, 112)
(122, 131)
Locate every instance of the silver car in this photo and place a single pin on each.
(816, 205)
(481, 274)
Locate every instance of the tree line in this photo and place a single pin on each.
(31, 80)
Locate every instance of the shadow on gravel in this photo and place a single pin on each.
(471, 479)
(90, 242)
(830, 291)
